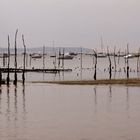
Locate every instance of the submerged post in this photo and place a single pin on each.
(110, 69)
(43, 57)
(24, 61)
(138, 63)
(95, 65)
(8, 75)
(81, 62)
(59, 55)
(127, 62)
(115, 65)
(15, 76)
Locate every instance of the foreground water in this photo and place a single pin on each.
(63, 112)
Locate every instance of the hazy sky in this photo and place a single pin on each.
(71, 22)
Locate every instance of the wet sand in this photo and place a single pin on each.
(133, 81)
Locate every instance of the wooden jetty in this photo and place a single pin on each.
(20, 70)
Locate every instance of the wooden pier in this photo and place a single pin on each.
(20, 70)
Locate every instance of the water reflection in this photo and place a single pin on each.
(109, 98)
(127, 98)
(95, 98)
(24, 103)
(15, 103)
(106, 96)
(8, 104)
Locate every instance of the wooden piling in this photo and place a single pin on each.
(138, 61)
(8, 74)
(95, 65)
(110, 65)
(15, 76)
(127, 62)
(24, 61)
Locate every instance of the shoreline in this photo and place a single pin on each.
(132, 81)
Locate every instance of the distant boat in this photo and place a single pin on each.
(36, 56)
(66, 56)
(72, 53)
(129, 56)
(101, 55)
(52, 55)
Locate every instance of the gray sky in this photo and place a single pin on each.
(71, 23)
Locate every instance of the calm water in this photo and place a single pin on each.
(63, 112)
(87, 71)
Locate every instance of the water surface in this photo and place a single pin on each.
(64, 112)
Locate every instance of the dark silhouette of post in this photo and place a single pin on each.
(8, 75)
(95, 65)
(115, 65)
(81, 62)
(110, 65)
(59, 58)
(127, 62)
(63, 58)
(43, 57)
(24, 61)
(138, 61)
(15, 76)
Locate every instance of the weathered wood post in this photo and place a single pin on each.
(110, 65)
(115, 65)
(43, 57)
(138, 61)
(30, 55)
(24, 61)
(81, 62)
(3, 59)
(119, 56)
(63, 58)
(15, 76)
(59, 55)
(127, 62)
(8, 74)
(63, 62)
(95, 65)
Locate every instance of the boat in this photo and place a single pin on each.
(66, 56)
(36, 55)
(101, 55)
(129, 56)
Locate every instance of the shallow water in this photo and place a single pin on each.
(64, 112)
(86, 73)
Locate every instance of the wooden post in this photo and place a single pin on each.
(95, 65)
(3, 59)
(115, 66)
(15, 80)
(8, 75)
(138, 61)
(110, 69)
(127, 62)
(59, 55)
(24, 61)
(63, 58)
(119, 53)
(81, 62)
(30, 59)
(43, 57)
(63, 62)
